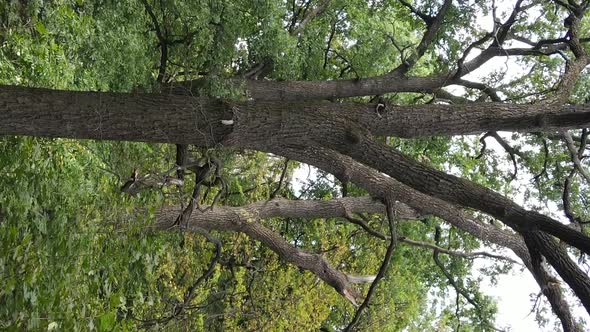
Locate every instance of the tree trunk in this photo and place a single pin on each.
(275, 127)
(186, 119)
(114, 116)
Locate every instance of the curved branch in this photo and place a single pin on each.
(282, 178)
(433, 25)
(567, 207)
(449, 276)
(41, 112)
(162, 42)
(391, 218)
(462, 254)
(247, 221)
(348, 138)
(366, 227)
(379, 185)
(309, 16)
(510, 150)
(575, 155)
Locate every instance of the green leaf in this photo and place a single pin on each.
(40, 28)
(107, 321)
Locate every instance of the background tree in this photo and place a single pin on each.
(211, 234)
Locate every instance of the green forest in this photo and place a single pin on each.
(149, 151)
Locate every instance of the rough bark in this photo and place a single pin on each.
(246, 220)
(552, 290)
(231, 219)
(321, 90)
(438, 120)
(265, 129)
(181, 119)
(185, 119)
(558, 258)
(307, 209)
(380, 185)
(176, 119)
(262, 132)
(116, 116)
(332, 89)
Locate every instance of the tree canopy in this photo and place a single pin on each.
(149, 148)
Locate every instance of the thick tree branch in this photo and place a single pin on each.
(132, 117)
(381, 186)
(256, 129)
(343, 136)
(562, 92)
(246, 220)
(118, 116)
(462, 68)
(186, 119)
(321, 90)
(297, 90)
(347, 138)
(574, 68)
(305, 209)
(557, 257)
(551, 288)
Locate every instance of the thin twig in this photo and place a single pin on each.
(454, 252)
(574, 154)
(282, 178)
(391, 217)
(453, 283)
